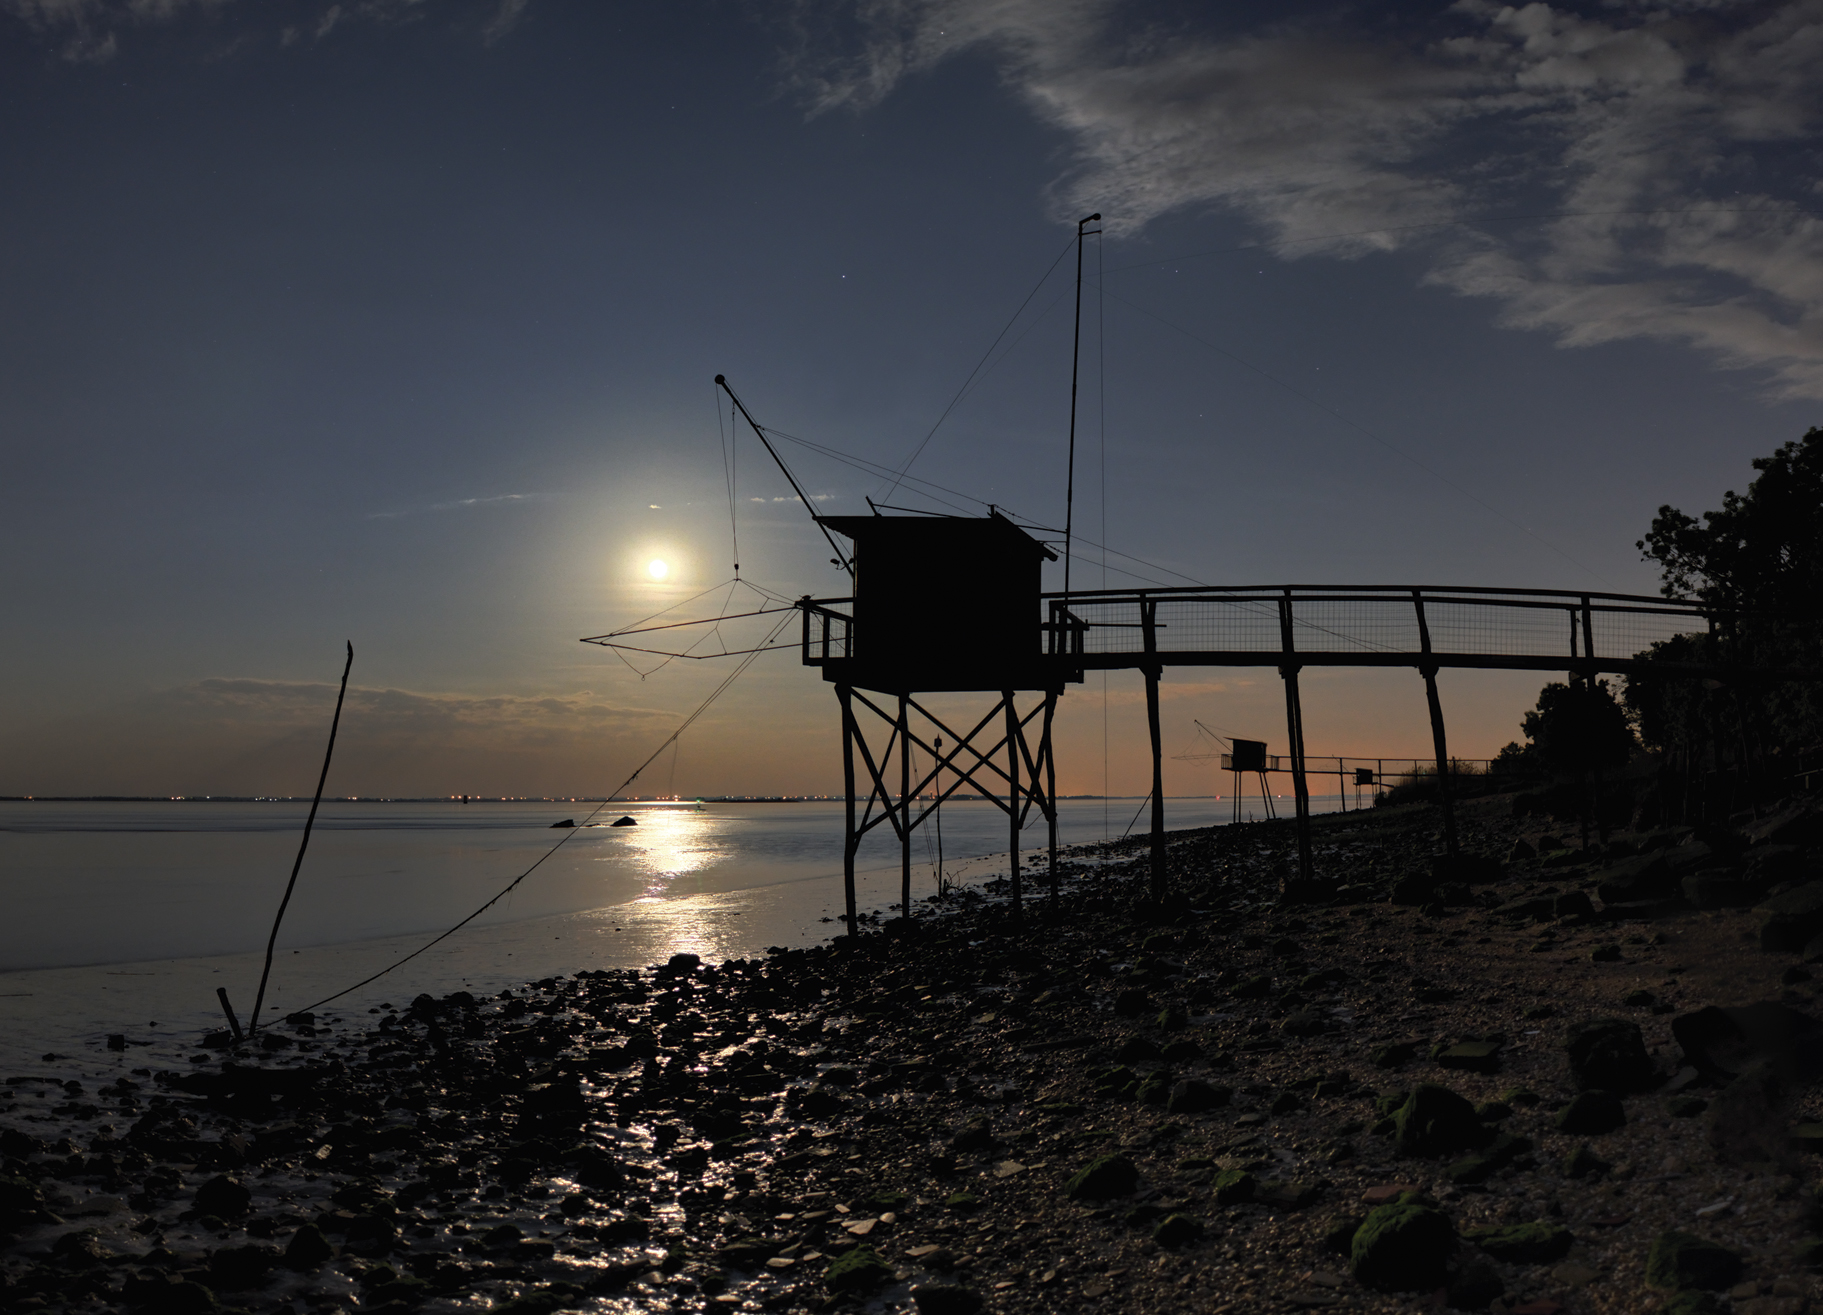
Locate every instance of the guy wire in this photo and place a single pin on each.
(701, 708)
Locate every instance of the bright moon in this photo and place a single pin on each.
(657, 569)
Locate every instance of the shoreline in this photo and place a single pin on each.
(897, 1121)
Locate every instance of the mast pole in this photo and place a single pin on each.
(1069, 494)
(841, 559)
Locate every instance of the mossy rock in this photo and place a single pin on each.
(1524, 1244)
(962, 1202)
(1584, 1163)
(1396, 1055)
(1103, 1178)
(1173, 1018)
(859, 1270)
(1234, 1187)
(1684, 1260)
(1387, 1103)
(1482, 1165)
(1435, 1121)
(1685, 1106)
(1403, 1247)
(1520, 1096)
(1176, 1231)
(1154, 1090)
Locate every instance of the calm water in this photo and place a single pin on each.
(125, 914)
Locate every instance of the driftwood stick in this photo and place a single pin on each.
(272, 940)
(221, 993)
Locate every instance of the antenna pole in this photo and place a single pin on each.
(1069, 493)
(841, 557)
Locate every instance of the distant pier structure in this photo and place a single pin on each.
(954, 604)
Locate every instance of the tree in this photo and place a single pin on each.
(1578, 728)
(1760, 560)
(1763, 551)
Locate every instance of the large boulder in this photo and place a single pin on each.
(1684, 1260)
(1434, 1122)
(1791, 919)
(1109, 1176)
(1609, 1054)
(1403, 1247)
(1723, 1043)
(1632, 880)
(222, 1197)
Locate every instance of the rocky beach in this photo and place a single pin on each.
(1535, 1078)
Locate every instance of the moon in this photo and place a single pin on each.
(657, 568)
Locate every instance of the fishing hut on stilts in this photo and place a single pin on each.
(950, 605)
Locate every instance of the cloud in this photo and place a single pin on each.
(88, 31)
(242, 736)
(460, 504)
(505, 18)
(1677, 141)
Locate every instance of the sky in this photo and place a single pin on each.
(395, 322)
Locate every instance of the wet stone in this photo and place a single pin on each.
(1609, 1054)
(1103, 1179)
(1434, 1122)
(1528, 1244)
(1684, 1260)
(1591, 1114)
(1403, 1247)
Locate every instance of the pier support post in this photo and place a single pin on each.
(1441, 746)
(1148, 620)
(1438, 743)
(849, 840)
(905, 805)
(1294, 728)
(1050, 785)
(1012, 800)
(1158, 787)
(1300, 784)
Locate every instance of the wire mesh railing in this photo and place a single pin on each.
(1320, 620)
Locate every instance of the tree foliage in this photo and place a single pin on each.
(1760, 560)
(1763, 551)
(1577, 728)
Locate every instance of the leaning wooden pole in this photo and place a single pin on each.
(259, 1000)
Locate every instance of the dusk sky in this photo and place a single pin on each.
(395, 321)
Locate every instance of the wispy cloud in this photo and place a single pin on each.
(460, 504)
(1675, 142)
(90, 31)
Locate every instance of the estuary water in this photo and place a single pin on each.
(124, 917)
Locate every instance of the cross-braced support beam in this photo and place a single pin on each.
(1010, 773)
